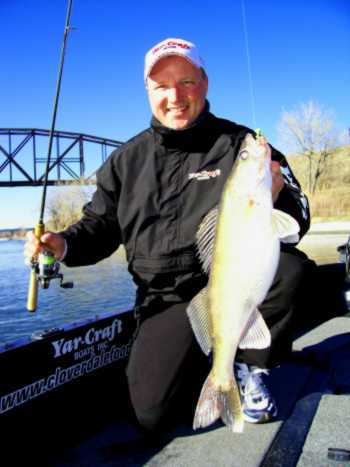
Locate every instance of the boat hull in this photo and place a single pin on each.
(59, 381)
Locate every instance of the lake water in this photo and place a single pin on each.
(102, 288)
(105, 287)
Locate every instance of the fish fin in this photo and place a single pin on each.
(256, 334)
(231, 413)
(213, 404)
(205, 238)
(285, 226)
(197, 311)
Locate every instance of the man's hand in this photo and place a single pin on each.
(277, 180)
(49, 241)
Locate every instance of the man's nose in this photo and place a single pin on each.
(174, 94)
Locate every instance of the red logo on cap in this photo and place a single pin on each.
(171, 44)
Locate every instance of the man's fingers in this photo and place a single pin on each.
(53, 242)
(275, 166)
(32, 247)
(46, 239)
(277, 179)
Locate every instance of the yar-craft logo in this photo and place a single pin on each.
(92, 336)
(204, 174)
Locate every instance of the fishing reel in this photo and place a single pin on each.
(47, 268)
(44, 269)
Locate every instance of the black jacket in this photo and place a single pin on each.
(151, 196)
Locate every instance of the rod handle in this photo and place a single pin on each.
(39, 230)
(32, 298)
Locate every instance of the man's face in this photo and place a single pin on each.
(176, 91)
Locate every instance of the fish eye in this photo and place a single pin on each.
(243, 155)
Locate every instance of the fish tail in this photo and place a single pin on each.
(214, 404)
(232, 414)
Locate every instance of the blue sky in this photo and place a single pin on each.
(299, 51)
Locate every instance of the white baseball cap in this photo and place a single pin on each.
(168, 47)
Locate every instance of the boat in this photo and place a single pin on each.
(58, 381)
(344, 256)
(64, 400)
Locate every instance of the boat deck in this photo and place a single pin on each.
(312, 393)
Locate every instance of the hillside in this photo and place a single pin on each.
(331, 200)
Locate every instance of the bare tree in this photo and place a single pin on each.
(310, 130)
(65, 205)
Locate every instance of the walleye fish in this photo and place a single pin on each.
(239, 247)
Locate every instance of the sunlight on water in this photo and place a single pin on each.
(105, 287)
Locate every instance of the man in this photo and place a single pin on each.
(151, 196)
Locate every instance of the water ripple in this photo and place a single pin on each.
(105, 287)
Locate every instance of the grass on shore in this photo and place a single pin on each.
(331, 200)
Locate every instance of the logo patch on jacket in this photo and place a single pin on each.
(204, 174)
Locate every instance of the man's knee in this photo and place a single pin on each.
(151, 419)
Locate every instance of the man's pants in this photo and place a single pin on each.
(167, 368)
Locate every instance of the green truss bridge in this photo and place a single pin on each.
(74, 156)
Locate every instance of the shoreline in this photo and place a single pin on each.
(11, 237)
(14, 234)
(329, 227)
(335, 227)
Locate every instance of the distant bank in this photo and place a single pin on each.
(329, 227)
(317, 227)
(14, 234)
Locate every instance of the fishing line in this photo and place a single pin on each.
(245, 30)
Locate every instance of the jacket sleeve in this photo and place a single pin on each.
(291, 199)
(97, 235)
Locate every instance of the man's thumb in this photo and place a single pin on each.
(46, 238)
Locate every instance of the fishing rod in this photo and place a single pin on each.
(44, 266)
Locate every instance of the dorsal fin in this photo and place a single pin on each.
(206, 237)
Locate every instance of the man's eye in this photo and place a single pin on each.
(188, 82)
